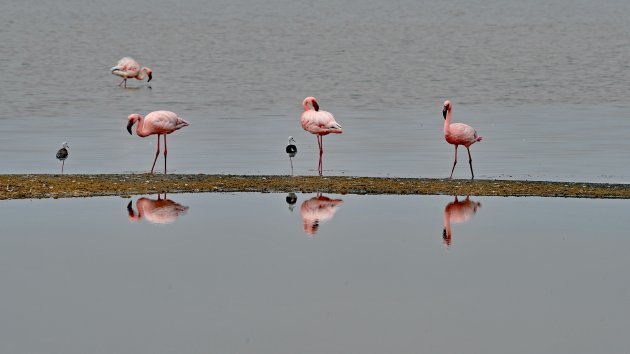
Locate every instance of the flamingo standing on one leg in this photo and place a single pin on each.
(291, 151)
(317, 210)
(128, 68)
(62, 154)
(458, 134)
(158, 122)
(320, 123)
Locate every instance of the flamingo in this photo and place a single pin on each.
(128, 68)
(158, 122)
(458, 134)
(160, 211)
(291, 151)
(62, 154)
(316, 210)
(319, 123)
(457, 212)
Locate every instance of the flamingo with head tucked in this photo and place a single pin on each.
(317, 210)
(319, 123)
(458, 134)
(158, 122)
(128, 68)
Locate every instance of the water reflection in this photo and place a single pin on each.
(316, 210)
(156, 211)
(291, 199)
(457, 212)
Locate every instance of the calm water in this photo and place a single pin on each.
(245, 273)
(545, 83)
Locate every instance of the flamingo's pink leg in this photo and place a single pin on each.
(454, 163)
(165, 153)
(157, 153)
(320, 167)
(470, 162)
(122, 82)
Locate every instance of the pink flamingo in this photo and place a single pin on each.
(458, 134)
(320, 123)
(160, 211)
(158, 122)
(457, 212)
(128, 68)
(316, 210)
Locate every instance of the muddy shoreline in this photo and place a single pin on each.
(34, 186)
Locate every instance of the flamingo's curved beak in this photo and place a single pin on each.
(315, 105)
(114, 68)
(129, 125)
(444, 111)
(150, 77)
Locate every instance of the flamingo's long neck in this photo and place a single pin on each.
(140, 128)
(447, 122)
(447, 228)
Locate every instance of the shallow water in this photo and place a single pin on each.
(544, 82)
(238, 273)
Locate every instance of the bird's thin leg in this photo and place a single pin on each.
(121, 82)
(291, 160)
(470, 162)
(125, 83)
(319, 164)
(321, 153)
(157, 153)
(454, 163)
(62, 163)
(165, 153)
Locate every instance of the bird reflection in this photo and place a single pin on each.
(457, 212)
(156, 211)
(316, 210)
(291, 200)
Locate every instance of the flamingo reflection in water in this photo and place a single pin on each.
(156, 211)
(317, 210)
(457, 212)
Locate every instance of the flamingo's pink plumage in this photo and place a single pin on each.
(160, 211)
(457, 212)
(317, 210)
(319, 123)
(158, 122)
(458, 134)
(128, 68)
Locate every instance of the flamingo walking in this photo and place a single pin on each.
(319, 123)
(317, 210)
(158, 122)
(62, 154)
(458, 134)
(128, 68)
(291, 151)
(457, 212)
(160, 211)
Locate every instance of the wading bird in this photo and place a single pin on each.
(62, 154)
(127, 68)
(319, 123)
(291, 151)
(158, 122)
(457, 212)
(458, 134)
(317, 210)
(160, 211)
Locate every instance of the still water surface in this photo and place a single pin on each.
(236, 273)
(544, 82)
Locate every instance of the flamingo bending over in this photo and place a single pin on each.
(128, 68)
(319, 123)
(158, 122)
(62, 154)
(160, 211)
(458, 134)
(457, 212)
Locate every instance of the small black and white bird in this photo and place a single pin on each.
(291, 151)
(62, 154)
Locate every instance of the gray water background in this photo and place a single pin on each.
(544, 82)
(237, 274)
